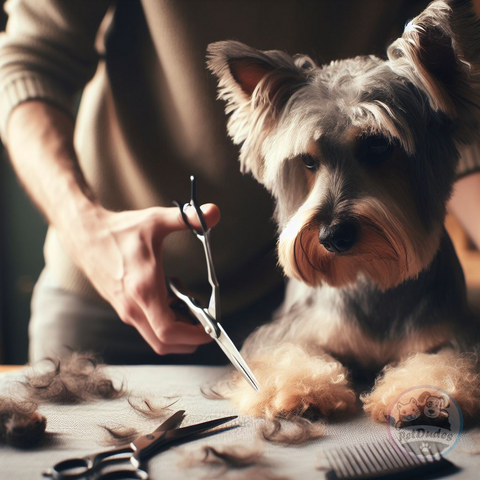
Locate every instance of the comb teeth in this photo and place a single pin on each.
(382, 459)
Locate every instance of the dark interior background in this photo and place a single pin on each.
(22, 231)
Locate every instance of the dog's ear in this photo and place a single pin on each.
(439, 52)
(256, 86)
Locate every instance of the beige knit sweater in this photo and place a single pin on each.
(148, 116)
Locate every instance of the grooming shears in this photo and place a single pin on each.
(98, 466)
(210, 317)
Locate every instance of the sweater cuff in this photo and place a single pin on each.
(30, 87)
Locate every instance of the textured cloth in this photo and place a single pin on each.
(74, 430)
(148, 118)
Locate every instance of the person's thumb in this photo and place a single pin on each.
(172, 220)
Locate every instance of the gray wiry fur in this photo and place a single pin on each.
(399, 289)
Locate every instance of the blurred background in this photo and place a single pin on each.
(22, 231)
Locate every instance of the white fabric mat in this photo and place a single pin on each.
(74, 430)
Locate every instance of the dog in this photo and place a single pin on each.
(360, 157)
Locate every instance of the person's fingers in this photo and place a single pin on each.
(140, 323)
(153, 301)
(171, 220)
(177, 332)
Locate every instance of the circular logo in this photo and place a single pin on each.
(425, 421)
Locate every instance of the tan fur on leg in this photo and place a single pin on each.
(455, 373)
(293, 381)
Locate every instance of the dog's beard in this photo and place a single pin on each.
(389, 250)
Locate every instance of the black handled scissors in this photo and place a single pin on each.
(137, 452)
(210, 317)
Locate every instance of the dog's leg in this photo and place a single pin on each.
(292, 381)
(455, 373)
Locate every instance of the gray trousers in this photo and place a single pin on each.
(62, 322)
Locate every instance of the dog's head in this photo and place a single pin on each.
(360, 154)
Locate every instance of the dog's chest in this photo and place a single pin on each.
(360, 327)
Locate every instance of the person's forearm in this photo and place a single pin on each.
(40, 145)
(119, 252)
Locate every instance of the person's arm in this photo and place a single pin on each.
(46, 57)
(120, 252)
(465, 205)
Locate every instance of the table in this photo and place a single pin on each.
(74, 430)
(10, 368)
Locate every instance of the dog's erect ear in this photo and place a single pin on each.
(439, 52)
(256, 86)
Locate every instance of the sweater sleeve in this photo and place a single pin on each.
(469, 160)
(47, 52)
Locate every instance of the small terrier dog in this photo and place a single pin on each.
(360, 156)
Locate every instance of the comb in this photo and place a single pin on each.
(384, 460)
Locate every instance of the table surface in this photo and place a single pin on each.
(10, 368)
(75, 430)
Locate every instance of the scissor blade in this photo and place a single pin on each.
(234, 356)
(191, 430)
(142, 446)
(171, 422)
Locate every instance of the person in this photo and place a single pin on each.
(105, 176)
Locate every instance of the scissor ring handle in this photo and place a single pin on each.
(72, 468)
(125, 475)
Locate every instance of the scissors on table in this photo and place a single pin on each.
(137, 452)
(210, 317)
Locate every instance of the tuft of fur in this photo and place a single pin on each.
(146, 408)
(74, 379)
(456, 373)
(292, 382)
(225, 457)
(299, 430)
(20, 423)
(234, 462)
(119, 435)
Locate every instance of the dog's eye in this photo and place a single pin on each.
(375, 149)
(310, 162)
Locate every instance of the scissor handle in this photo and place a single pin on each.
(71, 468)
(193, 203)
(83, 467)
(204, 236)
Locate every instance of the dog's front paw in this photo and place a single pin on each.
(398, 390)
(291, 382)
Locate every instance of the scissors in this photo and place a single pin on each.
(210, 317)
(137, 452)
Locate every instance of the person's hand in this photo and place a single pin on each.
(121, 254)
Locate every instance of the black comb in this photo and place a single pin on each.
(384, 460)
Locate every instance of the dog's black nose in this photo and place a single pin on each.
(338, 238)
